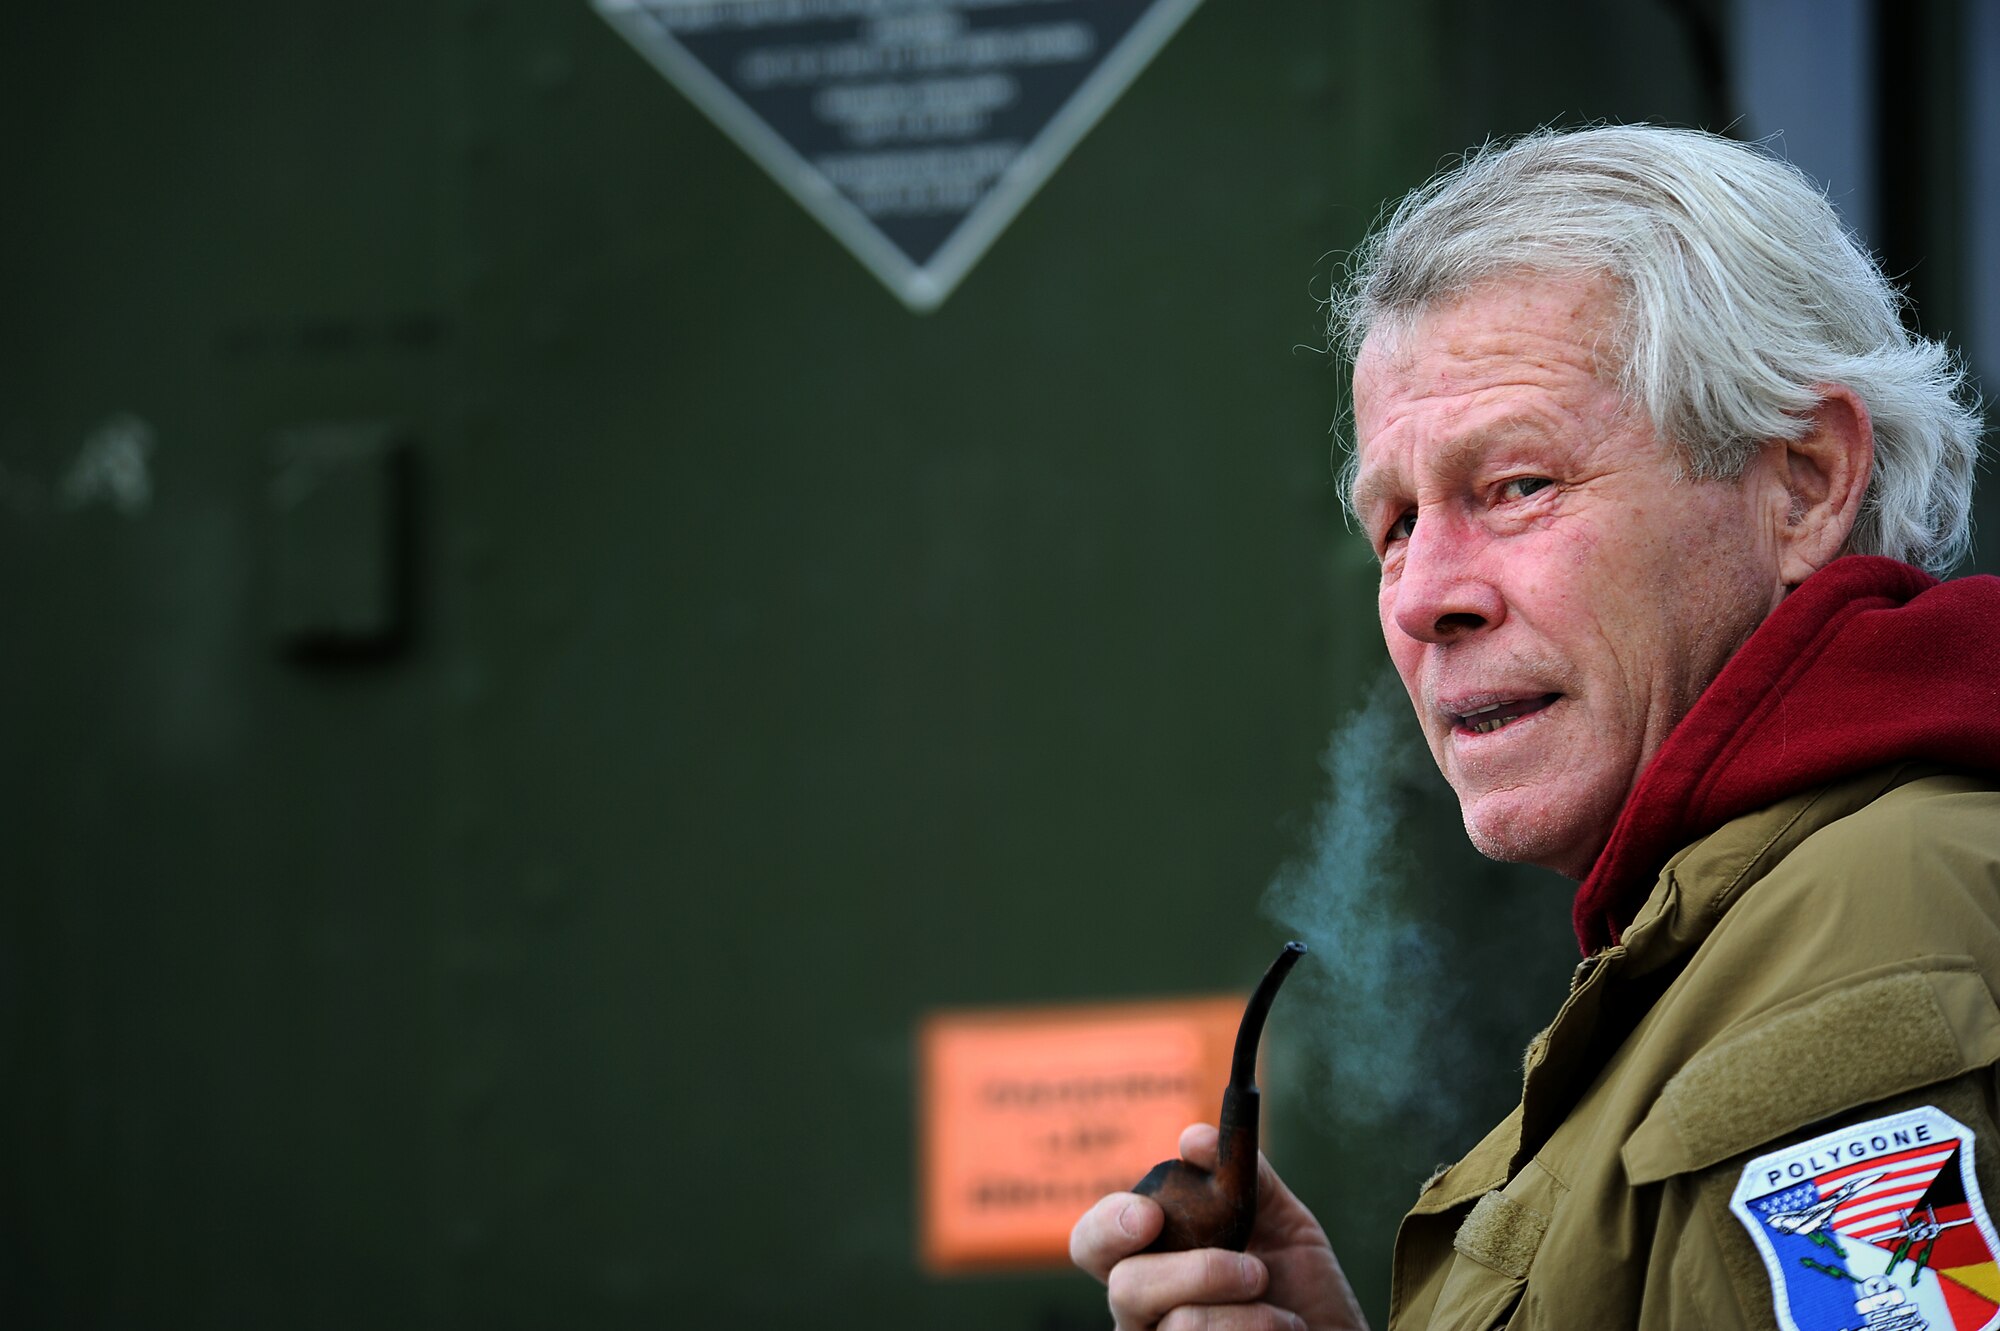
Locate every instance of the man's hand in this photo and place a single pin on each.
(1287, 1281)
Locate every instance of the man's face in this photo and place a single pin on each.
(1553, 597)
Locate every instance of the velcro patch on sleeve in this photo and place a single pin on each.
(1877, 1225)
(1501, 1233)
(1863, 1042)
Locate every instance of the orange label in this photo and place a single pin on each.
(1030, 1115)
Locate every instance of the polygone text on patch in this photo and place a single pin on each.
(1861, 1148)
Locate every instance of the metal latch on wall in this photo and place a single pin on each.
(342, 523)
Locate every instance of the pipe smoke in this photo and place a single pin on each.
(1372, 1008)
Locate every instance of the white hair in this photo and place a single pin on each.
(1742, 290)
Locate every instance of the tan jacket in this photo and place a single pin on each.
(1821, 962)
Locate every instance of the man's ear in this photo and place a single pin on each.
(1826, 473)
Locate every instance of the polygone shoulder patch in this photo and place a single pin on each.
(1877, 1227)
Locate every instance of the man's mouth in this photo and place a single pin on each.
(1491, 717)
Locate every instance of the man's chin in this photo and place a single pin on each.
(1535, 836)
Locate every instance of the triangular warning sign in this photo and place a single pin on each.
(913, 129)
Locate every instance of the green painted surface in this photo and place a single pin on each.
(785, 665)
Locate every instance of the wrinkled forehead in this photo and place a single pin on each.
(1521, 313)
(1527, 353)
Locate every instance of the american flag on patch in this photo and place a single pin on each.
(1879, 1205)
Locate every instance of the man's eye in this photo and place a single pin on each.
(1402, 527)
(1523, 486)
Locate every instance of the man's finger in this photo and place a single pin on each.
(1148, 1287)
(1199, 1144)
(1119, 1225)
(1234, 1317)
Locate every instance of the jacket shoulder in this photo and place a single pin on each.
(1914, 870)
(1939, 819)
(1856, 961)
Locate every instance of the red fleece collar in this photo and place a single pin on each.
(1866, 663)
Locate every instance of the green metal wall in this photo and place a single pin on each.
(782, 666)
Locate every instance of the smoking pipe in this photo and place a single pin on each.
(1216, 1210)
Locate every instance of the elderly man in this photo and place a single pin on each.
(1623, 399)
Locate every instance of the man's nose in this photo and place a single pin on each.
(1443, 592)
